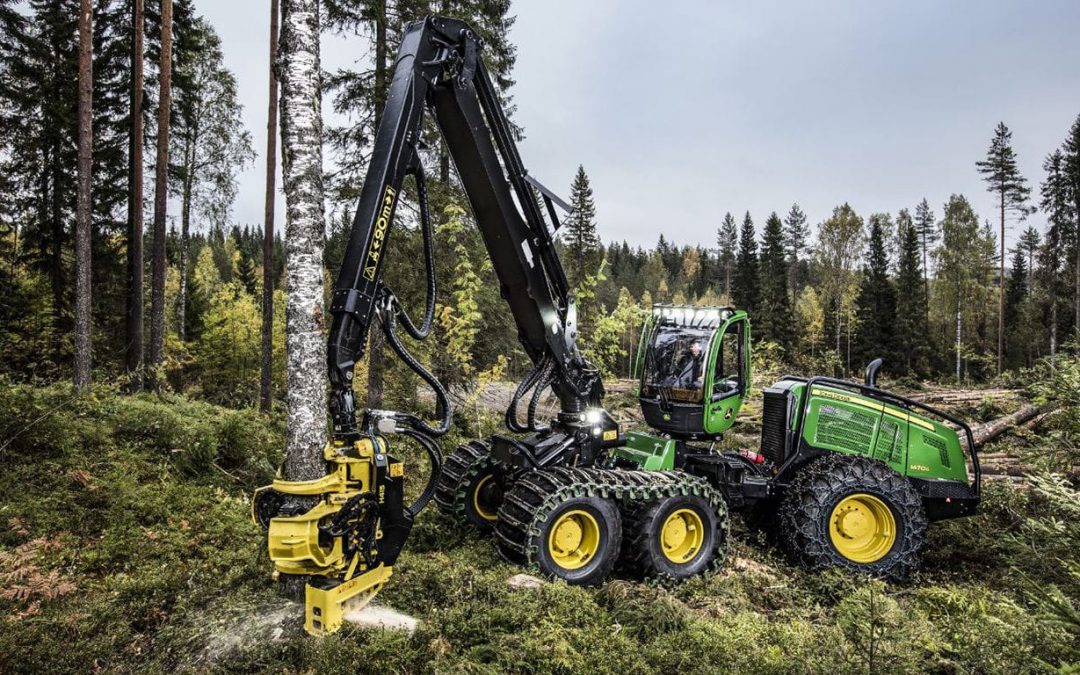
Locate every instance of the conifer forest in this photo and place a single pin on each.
(164, 357)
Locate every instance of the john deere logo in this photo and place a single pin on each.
(381, 223)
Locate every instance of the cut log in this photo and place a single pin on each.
(988, 431)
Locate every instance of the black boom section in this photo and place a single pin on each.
(439, 67)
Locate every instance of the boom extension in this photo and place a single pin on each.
(439, 68)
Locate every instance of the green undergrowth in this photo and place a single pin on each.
(126, 545)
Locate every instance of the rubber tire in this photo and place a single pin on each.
(644, 553)
(810, 499)
(462, 472)
(596, 570)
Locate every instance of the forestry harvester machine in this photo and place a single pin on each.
(851, 473)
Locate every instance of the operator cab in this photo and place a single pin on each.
(693, 369)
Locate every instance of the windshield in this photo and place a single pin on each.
(675, 363)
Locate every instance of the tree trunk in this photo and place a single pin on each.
(133, 360)
(265, 377)
(301, 142)
(185, 227)
(1053, 331)
(375, 339)
(958, 329)
(1001, 294)
(1076, 297)
(82, 222)
(161, 189)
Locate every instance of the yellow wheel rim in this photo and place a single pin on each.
(484, 513)
(682, 536)
(574, 539)
(862, 528)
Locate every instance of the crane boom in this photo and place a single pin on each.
(439, 68)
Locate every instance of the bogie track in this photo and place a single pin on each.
(539, 498)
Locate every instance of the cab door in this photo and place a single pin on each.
(728, 380)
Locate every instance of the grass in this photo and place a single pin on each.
(125, 545)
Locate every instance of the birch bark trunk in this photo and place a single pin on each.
(301, 144)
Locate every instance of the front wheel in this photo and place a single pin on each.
(470, 487)
(853, 512)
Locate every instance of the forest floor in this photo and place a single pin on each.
(126, 544)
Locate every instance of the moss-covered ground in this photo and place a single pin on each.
(126, 545)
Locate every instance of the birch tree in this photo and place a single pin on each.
(301, 141)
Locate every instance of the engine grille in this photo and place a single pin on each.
(774, 425)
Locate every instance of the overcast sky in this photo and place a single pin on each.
(683, 110)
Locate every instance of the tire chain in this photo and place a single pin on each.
(816, 483)
(537, 493)
(458, 472)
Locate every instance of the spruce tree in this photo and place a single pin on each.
(796, 235)
(579, 232)
(727, 243)
(1055, 202)
(1029, 247)
(876, 305)
(910, 328)
(1071, 153)
(927, 230)
(744, 287)
(774, 317)
(1003, 178)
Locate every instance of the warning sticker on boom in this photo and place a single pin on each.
(371, 264)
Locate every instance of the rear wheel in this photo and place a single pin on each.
(579, 540)
(676, 537)
(470, 487)
(856, 513)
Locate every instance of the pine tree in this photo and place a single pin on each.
(579, 231)
(911, 329)
(83, 225)
(133, 360)
(1016, 294)
(744, 289)
(266, 365)
(774, 315)
(1001, 174)
(796, 235)
(157, 290)
(877, 298)
(727, 243)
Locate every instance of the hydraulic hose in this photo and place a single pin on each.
(546, 378)
(435, 457)
(429, 259)
(442, 398)
(526, 384)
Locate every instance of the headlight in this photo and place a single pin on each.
(593, 416)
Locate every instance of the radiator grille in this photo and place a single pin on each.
(774, 426)
(848, 430)
(890, 445)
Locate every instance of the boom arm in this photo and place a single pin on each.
(439, 68)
